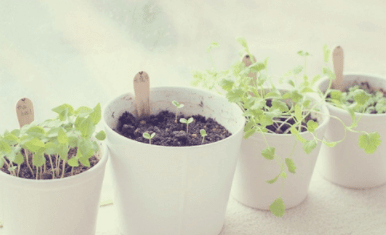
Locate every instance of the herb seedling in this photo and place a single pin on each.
(178, 106)
(187, 122)
(147, 136)
(51, 142)
(271, 110)
(203, 134)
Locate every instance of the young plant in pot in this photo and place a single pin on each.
(51, 173)
(357, 99)
(282, 136)
(173, 155)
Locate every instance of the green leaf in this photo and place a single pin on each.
(62, 150)
(36, 131)
(290, 165)
(297, 70)
(283, 175)
(19, 159)
(73, 162)
(96, 115)
(84, 146)
(4, 147)
(298, 113)
(273, 94)
(183, 120)
(309, 145)
(295, 132)
(278, 104)
(296, 96)
(369, 142)
(100, 135)
(311, 126)
(83, 111)
(63, 110)
(38, 159)
(287, 95)
(85, 162)
(35, 145)
(361, 97)
(234, 95)
(87, 127)
(190, 120)
(226, 84)
(269, 153)
(273, 180)
(336, 95)
(326, 53)
(277, 207)
(62, 137)
(203, 133)
(249, 132)
(11, 139)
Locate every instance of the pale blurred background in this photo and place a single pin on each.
(83, 52)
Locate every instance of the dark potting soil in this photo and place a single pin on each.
(47, 173)
(367, 88)
(168, 131)
(281, 129)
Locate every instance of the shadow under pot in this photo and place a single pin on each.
(346, 164)
(250, 185)
(168, 189)
(53, 206)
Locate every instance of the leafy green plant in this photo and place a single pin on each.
(187, 122)
(268, 109)
(148, 136)
(203, 134)
(52, 141)
(178, 106)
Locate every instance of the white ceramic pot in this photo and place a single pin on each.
(60, 206)
(173, 190)
(346, 164)
(253, 170)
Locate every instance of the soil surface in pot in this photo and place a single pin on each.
(46, 174)
(370, 90)
(282, 125)
(168, 131)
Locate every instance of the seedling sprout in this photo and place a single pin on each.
(178, 106)
(187, 122)
(203, 134)
(148, 136)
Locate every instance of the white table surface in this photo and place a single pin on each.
(87, 51)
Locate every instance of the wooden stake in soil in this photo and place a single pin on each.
(142, 93)
(24, 111)
(337, 58)
(247, 61)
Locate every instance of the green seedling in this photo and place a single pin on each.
(203, 134)
(178, 106)
(147, 136)
(52, 141)
(187, 122)
(268, 109)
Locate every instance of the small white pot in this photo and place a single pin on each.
(346, 164)
(173, 190)
(253, 170)
(59, 206)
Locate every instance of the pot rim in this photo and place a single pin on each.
(342, 111)
(123, 138)
(76, 178)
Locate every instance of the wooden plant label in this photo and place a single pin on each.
(24, 111)
(337, 58)
(142, 93)
(247, 61)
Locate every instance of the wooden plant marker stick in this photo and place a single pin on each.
(25, 115)
(337, 58)
(24, 111)
(142, 93)
(247, 61)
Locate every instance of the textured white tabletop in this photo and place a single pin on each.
(87, 51)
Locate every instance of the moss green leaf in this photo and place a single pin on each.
(369, 142)
(311, 126)
(309, 145)
(277, 207)
(100, 135)
(268, 153)
(290, 165)
(273, 180)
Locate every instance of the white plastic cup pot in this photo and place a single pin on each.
(346, 164)
(253, 170)
(173, 190)
(59, 206)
